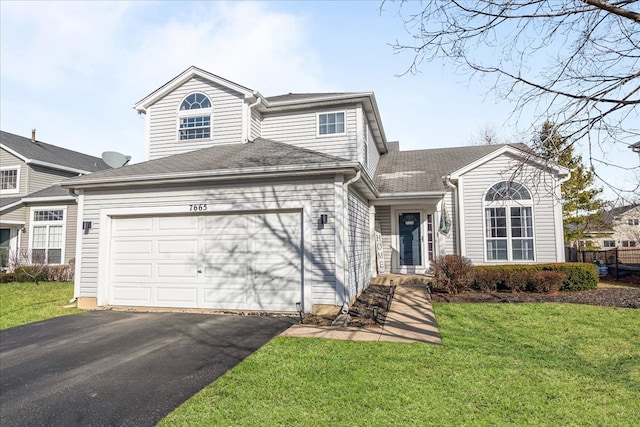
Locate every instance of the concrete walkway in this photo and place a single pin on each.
(410, 319)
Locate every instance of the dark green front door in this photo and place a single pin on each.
(5, 239)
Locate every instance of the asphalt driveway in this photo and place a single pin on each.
(119, 368)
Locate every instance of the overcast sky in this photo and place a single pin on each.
(74, 70)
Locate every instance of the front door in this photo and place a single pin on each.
(410, 239)
(5, 246)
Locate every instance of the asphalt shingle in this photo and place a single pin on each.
(44, 152)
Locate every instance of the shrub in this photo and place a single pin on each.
(548, 281)
(58, 273)
(577, 276)
(517, 280)
(453, 273)
(580, 276)
(7, 277)
(43, 273)
(487, 280)
(30, 273)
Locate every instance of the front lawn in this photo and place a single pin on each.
(500, 364)
(22, 303)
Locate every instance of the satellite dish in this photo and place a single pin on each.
(115, 159)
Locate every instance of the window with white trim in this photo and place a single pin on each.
(609, 243)
(10, 180)
(508, 217)
(633, 221)
(331, 123)
(194, 117)
(629, 243)
(47, 235)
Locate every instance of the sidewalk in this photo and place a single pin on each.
(410, 319)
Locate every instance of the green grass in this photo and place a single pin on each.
(22, 303)
(500, 364)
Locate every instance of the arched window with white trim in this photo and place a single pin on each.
(194, 117)
(508, 215)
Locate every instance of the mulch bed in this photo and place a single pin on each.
(609, 297)
(361, 311)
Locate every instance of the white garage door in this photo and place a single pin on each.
(239, 262)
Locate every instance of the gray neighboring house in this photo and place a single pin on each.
(294, 202)
(36, 214)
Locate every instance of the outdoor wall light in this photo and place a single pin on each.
(324, 219)
(86, 225)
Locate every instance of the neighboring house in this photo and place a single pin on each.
(38, 218)
(276, 203)
(621, 229)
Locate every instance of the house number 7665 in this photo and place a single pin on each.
(199, 208)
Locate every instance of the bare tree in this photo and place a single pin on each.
(31, 263)
(572, 62)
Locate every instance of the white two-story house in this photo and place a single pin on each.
(295, 201)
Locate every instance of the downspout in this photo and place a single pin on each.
(258, 101)
(345, 238)
(452, 186)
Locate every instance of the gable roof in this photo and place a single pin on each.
(51, 156)
(422, 171)
(262, 156)
(52, 193)
(609, 216)
(185, 76)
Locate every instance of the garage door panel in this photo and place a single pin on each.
(183, 294)
(222, 246)
(183, 224)
(126, 270)
(124, 248)
(282, 301)
(273, 244)
(126, 226)
(133, 293)
(177, 270)
(188, 247)
(270, 222)
(226, 271)
(227, 224)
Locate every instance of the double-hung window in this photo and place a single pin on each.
(10, 180)
(331, 123)
(508, 217)
(194, 117)
(47, 235)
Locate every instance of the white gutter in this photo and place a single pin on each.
(345, 237)
(48, 199)
(11, 205)
(54, 166)
(248, 124)
(202, 176)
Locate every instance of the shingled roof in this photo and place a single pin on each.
(422, 170)
(307, 96)
(46, 153)
(261, 154)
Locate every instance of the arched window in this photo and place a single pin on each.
(508, 216)
(194, 117)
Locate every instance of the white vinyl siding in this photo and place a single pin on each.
(256, 125)
(300, 129)
(370, 150)
(383, 217)
(41, 178)
(358, 252)
(226, 119)
(475, 184)
(319, 253)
